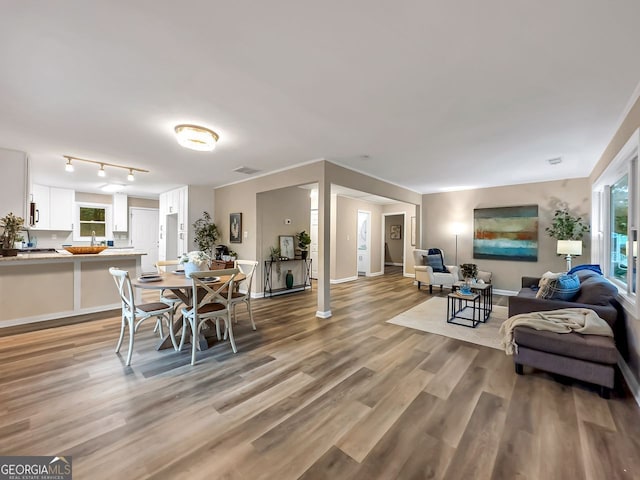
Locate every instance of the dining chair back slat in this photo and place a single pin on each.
(210, 301)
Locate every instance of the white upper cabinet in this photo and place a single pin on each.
(54, 208)
(13, 194)
(40, 195)
(120, 212)
(61, 208)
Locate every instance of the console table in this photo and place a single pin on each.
(269, 291)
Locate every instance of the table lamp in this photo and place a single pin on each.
(569, 248)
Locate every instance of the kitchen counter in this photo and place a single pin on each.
(36, 287)
(64, 255)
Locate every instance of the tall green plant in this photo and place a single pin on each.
(206, 234)
(565, 226)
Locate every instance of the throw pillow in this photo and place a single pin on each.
(596, 291)
(435, 262)
(543, 284)
(565, 287)
(591, 267)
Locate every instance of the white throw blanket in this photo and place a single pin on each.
(566, 320)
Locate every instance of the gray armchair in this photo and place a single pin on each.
(426, 274)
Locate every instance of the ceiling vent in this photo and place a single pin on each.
(555, 161)
(246, 170)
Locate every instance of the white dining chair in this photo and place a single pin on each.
(133, 315)
(167, 296)
(248, 268)
(210, 302)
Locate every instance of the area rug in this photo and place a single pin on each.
(430, 316)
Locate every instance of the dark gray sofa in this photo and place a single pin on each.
(590, 358)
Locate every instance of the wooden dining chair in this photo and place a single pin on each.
(210, 302)
(248, 268)
(133, 315)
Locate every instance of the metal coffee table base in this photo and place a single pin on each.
(464, 310)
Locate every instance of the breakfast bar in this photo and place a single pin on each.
(37, 287)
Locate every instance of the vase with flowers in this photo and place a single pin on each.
(195, 261)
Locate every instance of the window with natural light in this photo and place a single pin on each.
(616, 216)
(619, 218)
(90, 218)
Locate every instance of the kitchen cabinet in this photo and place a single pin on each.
(179, 208)
(40, 195)
(15, 181)
(54, 208)
(120, 212)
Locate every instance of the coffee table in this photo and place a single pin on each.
(486, 293)
(464, 309)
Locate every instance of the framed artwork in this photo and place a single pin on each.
(287, 246)
(506, 233)
(413, 231)
(395, 232)
(235, 227)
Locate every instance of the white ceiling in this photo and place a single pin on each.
(428, 95)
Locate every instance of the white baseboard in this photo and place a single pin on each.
(326, 314)
(375, 274)
(508, 293)
(333, 281)
(631, 380)
(392, 264)
(410, 275)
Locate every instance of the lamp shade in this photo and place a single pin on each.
(569, 247)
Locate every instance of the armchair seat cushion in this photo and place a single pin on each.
(593, 348)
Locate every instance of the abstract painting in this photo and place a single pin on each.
(506, 233)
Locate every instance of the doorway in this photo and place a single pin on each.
(364, 242)
(394, 241)
(143, 235)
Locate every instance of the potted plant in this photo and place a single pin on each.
(274, 256)
(233, 255)
(303, 243)
(195, 261)
(469, 271)
(565, 226)
(11, 227)
(206, 234)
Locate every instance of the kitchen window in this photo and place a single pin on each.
(92, 217)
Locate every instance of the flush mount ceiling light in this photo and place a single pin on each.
(101, 172)
(196, 138)
(112, 187)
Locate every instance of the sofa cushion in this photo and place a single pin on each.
(435, 261)
(593, 348)
(596, 291)
(584, 274)
(565, 287)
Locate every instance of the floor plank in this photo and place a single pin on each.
(341, 398)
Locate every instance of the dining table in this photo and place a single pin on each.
(182, 287)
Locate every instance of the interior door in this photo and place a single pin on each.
(143, 235)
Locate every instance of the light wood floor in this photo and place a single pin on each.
(348, 397)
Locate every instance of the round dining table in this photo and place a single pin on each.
(182, 287)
